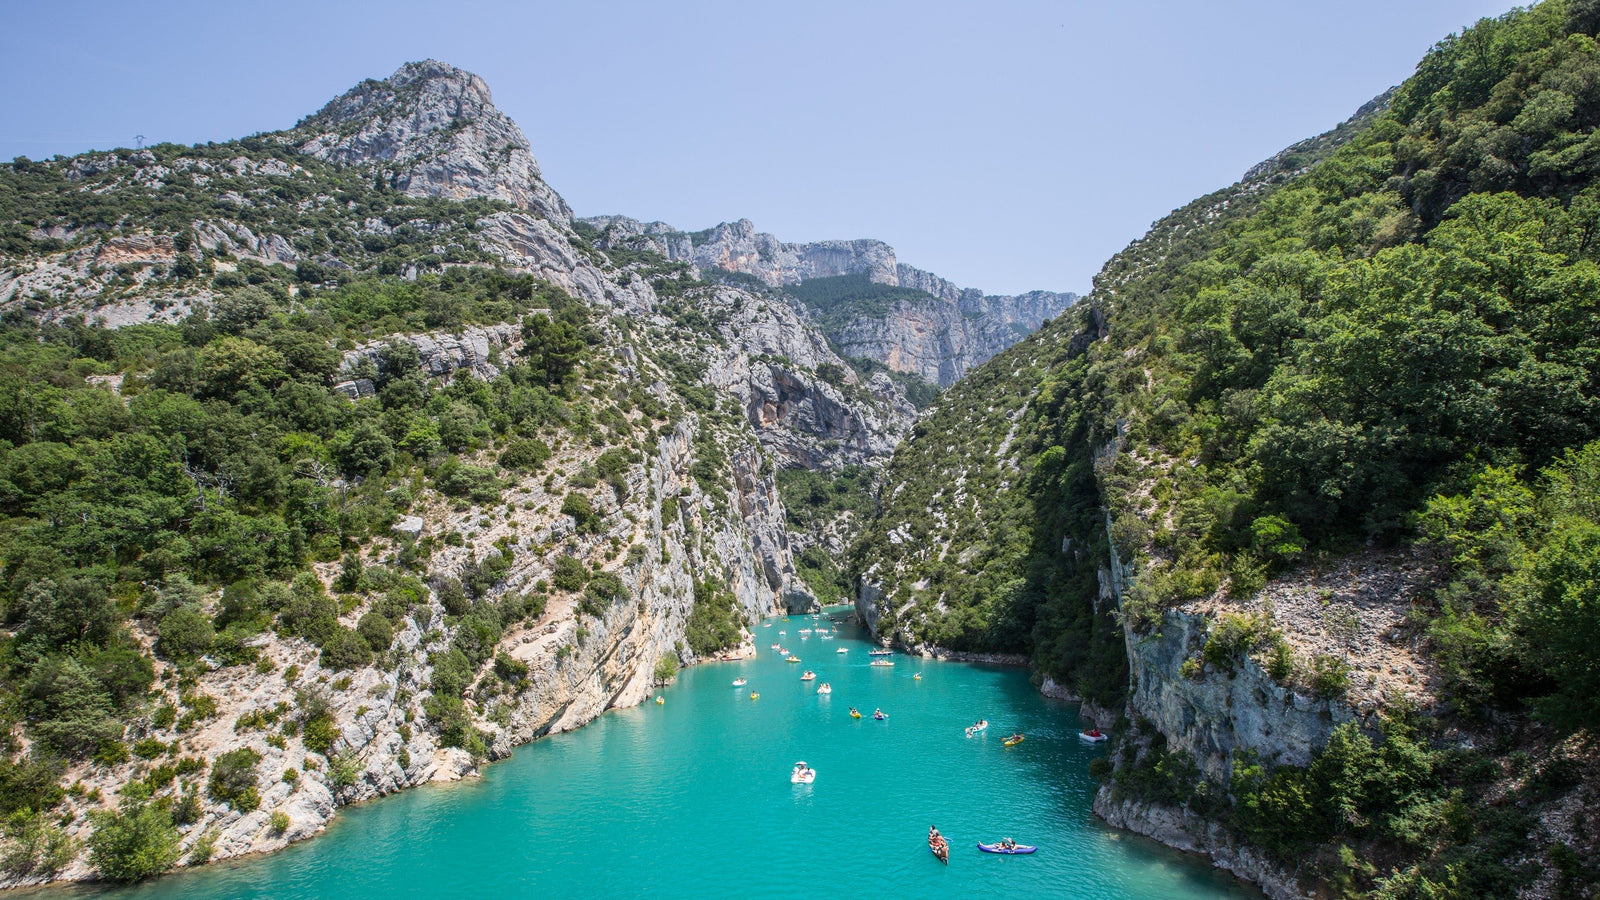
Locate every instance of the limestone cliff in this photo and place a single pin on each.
(938, 334)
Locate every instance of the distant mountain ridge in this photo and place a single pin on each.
(938, 339)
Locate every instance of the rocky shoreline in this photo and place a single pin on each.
(1181, 829)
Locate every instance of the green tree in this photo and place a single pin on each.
(35, 845)
(184, 634)
(554, 346)
(77, 609)
(1558, 615)
(712, 621)
(71, 710)
(582, 512)
(343, 648)
(368, 452)
(134, 842)
(233, 779)
(376, 630)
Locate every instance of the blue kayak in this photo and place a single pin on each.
(999, 848)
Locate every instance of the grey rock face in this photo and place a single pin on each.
(442, 353)
(1219, 713)
(938, 339)
(771, 367)
(533, 245)
(435, 130)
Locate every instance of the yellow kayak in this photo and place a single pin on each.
(659, 700)
(1013, 741)
(854, 714)
(754, 696)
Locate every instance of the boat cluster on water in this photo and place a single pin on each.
(804, 774)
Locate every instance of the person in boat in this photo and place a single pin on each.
(934, 836)
(1015, 737)
(1008, 844)
(877, 712)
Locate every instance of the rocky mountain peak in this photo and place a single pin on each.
(435, 130)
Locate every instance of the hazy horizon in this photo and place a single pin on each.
(1011, 149)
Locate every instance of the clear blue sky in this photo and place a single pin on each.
(1005, 145)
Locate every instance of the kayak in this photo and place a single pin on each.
(754, 696)
(659, 700)
(1013, 741)
(880, 717)
(854, 714)
(998, 848)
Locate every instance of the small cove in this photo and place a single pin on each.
(691, 798)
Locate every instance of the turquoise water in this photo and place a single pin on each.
(692, 799)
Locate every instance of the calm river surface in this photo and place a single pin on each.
(692, 798)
